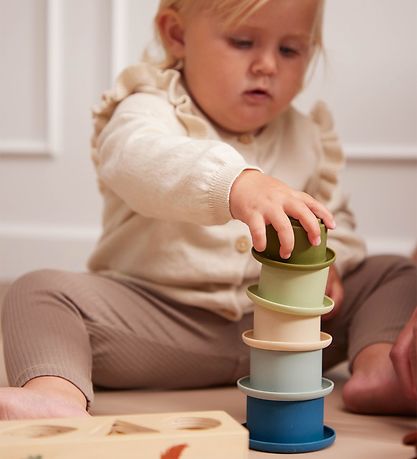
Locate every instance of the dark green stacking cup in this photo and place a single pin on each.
(304, 253)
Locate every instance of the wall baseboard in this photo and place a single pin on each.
(398, 246)
(25, 248)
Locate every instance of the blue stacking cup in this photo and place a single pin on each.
(288, 423)
(287, 427)
(276, 421)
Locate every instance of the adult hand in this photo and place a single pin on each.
(258, 200)
(335, 290)
(404, 357)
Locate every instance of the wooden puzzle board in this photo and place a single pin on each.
(184, 435)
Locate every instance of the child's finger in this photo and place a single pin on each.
(413, 364)
(258, 232)
(320, 211)
(309, 222)
(285, 232)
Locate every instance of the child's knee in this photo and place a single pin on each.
(28, 287)
(394, 264)
(32, 281)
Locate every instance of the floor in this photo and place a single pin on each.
(358, 437)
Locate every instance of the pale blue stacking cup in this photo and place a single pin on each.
(278, 371)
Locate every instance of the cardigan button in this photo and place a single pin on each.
(246, 139)
(242, 244)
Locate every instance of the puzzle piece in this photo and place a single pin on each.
(187, 435)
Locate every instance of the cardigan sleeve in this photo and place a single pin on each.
(145, 156)
(326, 187)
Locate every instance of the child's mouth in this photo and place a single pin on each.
(257, 95)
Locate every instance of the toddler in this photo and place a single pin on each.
(195, 155)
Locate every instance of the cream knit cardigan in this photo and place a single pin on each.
(165, 173)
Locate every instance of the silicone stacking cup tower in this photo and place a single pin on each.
(285, 389)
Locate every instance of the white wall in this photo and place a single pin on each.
(59, 55)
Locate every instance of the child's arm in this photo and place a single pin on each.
(258, 200)
(146, 158)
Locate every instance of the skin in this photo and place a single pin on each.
(42, 397)
(384, 375)
(404, 357)
(270, 51)
(335, 290)
(255, 71)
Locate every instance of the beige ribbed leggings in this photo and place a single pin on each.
(90, 329)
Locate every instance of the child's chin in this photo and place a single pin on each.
(246, 127)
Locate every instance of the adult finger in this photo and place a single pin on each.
(400, 358)
(413, 360)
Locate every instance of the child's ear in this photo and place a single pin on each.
(171, 29)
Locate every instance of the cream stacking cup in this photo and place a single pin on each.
(285, 389)
(277, 322)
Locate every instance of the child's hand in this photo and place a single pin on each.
(258, 200)
(335, 290)
(404, 357)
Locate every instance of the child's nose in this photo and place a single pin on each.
(265, 63)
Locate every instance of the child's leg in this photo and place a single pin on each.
(46, 347)
(380, 296)
(74, 327)
(42, 397)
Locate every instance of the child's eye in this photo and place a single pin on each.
(288, 52)
(241, 43)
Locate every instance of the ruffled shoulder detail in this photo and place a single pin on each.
(331, 157)
(145, 77)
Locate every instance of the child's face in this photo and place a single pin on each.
(245, 76)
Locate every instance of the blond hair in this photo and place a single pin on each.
(230, 12)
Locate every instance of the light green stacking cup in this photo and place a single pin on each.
(294, 285)
(276, 371)
(253, 293)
